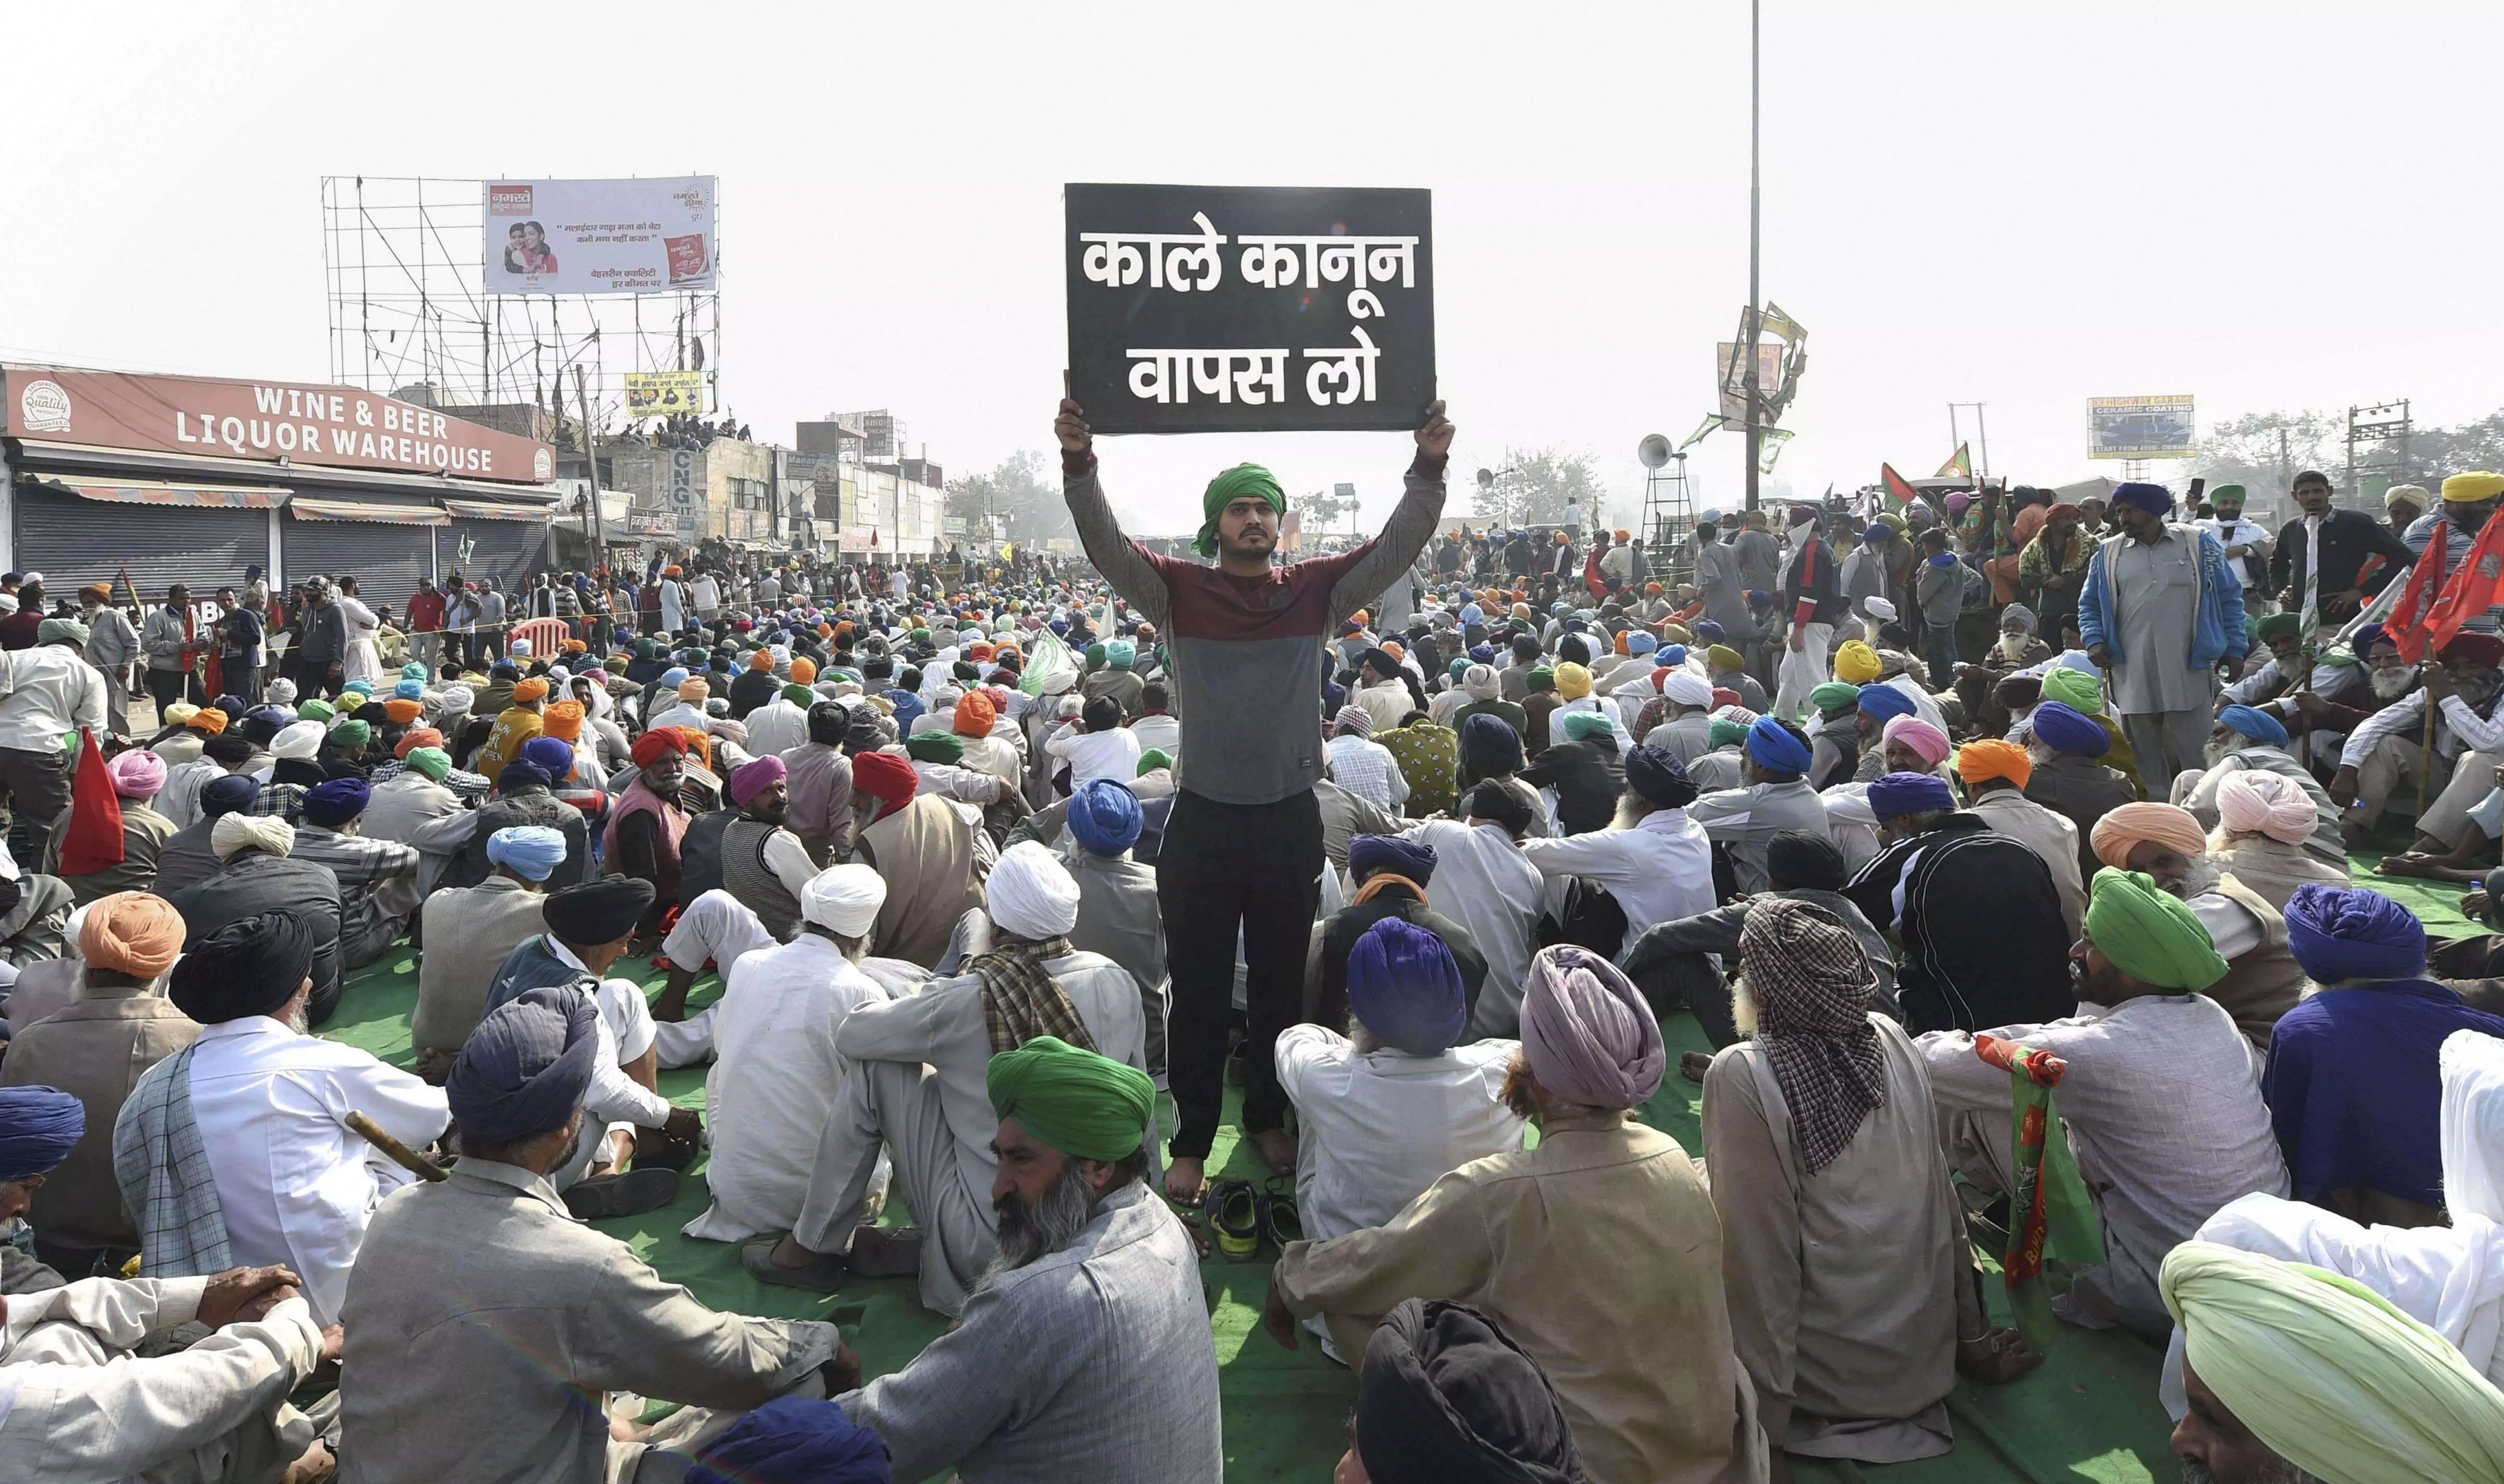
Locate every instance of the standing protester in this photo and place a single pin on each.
(1243, 850)
(172, 641)
(112, 643)
(2161, 612)
(2353, 555)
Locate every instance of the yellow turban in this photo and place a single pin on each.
(2328, 1374)
(2473, 487)
(1573, 682)
(1855, 662)
(1723, 659)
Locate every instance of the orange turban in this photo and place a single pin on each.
(564, 720)
(137, 933)
(804, 671)
(1993, 758)
(762, 658)
(401, 709)
(532, 689)
(975, 714)
(699, 744)
(829, 631)
(2176, 829)
(210, 720)
(416, 737)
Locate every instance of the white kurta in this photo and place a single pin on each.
(777, 727)
(1659, 870)
(1482, 882)
(774, 1082)
(718, 927)
(364, 661)
(295, 1184)
(75, 1406)
(1376, 1130)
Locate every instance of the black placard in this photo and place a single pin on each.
(1226, 308)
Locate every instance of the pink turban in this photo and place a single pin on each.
(2172, 828)
(2250, 801)
(755, 777)
(137, 774)
(1928, 743)
(1588, 1034)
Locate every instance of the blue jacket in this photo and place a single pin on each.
(2217, 633)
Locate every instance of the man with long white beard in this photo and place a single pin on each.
(2250, 738)
(1084, 1350)
(2388, 749)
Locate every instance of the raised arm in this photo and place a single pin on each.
(1411, 525)
(1124, 565)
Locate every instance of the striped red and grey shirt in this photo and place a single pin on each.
(1248, 652)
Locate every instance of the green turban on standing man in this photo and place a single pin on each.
(1231, 485)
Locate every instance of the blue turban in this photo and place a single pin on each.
(1483, 654)
(2342, 933)
(673, 677)
(551, 755)
(410, 690)
(1659, 777)
(1709, 633)
(2067, 728)
(2362, 642)
(1884, 702)
(260, 726)
(520, 775)
(1776, 747)
(1471, 613)
(1059, 626)
(414, 670)
(2154, 499)
(1404, 985)
(792, 1440)
(1675, 654)
(530, 850)
(1121, 653)
(1909, 793)
(1640, 643)
(503, 669)
(1489, 745)
(226, 794)
(38, 1125)
(1104, 815)
(2253, 722)
(1370, 853)
(523, 1071)
(231, 706)
(907, 706)
(337, 802)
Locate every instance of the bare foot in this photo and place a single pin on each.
(1996, 1359)
(790, 1254)
(1278, 1149)
(1692, 1065)
(314, 1466)
(1186, 1182)
(2405, 863)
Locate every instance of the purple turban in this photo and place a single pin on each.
(2065, 729)
(1588, 1034)
(1403, 983)
(1909, 793)
(755, 777)
(2154, 499)
(2344, 933)
(793, 1441)
(37, 1127)
(1659, 777)
(1370, 853)
(551, 755)
(1883, 702)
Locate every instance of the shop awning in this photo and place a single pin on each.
(367, 510)
(149, 491)
(486, 510)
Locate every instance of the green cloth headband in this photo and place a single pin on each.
(1087, 1106)
(1227, 487)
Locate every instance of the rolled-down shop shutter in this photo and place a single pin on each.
(508, 551)
(386, 548)
(74, 541)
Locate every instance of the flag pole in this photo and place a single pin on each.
(1749, 350)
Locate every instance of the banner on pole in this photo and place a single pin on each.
(664, 394)
(1227, 309)
(2141, 428)
(631, 236)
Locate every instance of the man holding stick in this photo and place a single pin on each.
(1244, 848)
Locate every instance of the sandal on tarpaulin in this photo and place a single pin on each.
(1282, 1221)
(1234, 1215)
(823, 1276)
(601, 1198)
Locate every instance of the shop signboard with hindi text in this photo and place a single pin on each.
(665, 393)
(269, 420)
(1231, 308)
(2141, 428)
(651, 235)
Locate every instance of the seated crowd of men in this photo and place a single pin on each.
(918, 842)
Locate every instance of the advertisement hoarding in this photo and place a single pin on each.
(665, 393)
(630, 236)
(2141, 428)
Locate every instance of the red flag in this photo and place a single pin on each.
(2473, 588)
(95, 839)
(1898, 488)
(2406, 627)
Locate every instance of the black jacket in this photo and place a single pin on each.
(1984, 945)
(1810, 575)
(1341, 929)
(2347, 538)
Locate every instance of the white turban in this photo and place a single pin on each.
(844, 900)
(1685, 687)
(1030, 893)
(8, 603)
(1480, 681)
(298, 739)
(279, 692)
(521, 648)
(239, 831)
(1879, 609)
(458, 699)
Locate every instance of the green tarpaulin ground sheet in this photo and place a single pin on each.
(2090, 1413)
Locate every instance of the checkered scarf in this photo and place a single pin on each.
(1022, 1001)
(1812, 985)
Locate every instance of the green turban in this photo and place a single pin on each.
(920, 637)
(2075, 689)
(2328, 1373)
(414, 670)
(1727, 733)
(1095, 656)
(934, 747)
(1834, 696)
(1582, 724)
(352, 736)
(1227, 487)
(646, 649)
(1153, 759)
(1121, 653)
(1543, 677)
(433, 762)
(2277, 624)
(2148, 934)
(316, 709)
(1087, 1106)
(799, 695)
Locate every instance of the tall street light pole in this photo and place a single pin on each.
(1749, 350)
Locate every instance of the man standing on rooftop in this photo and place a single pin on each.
(1244, 848)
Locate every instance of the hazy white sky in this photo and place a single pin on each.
(2265, 205)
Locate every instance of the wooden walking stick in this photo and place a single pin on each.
(393, 1148)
